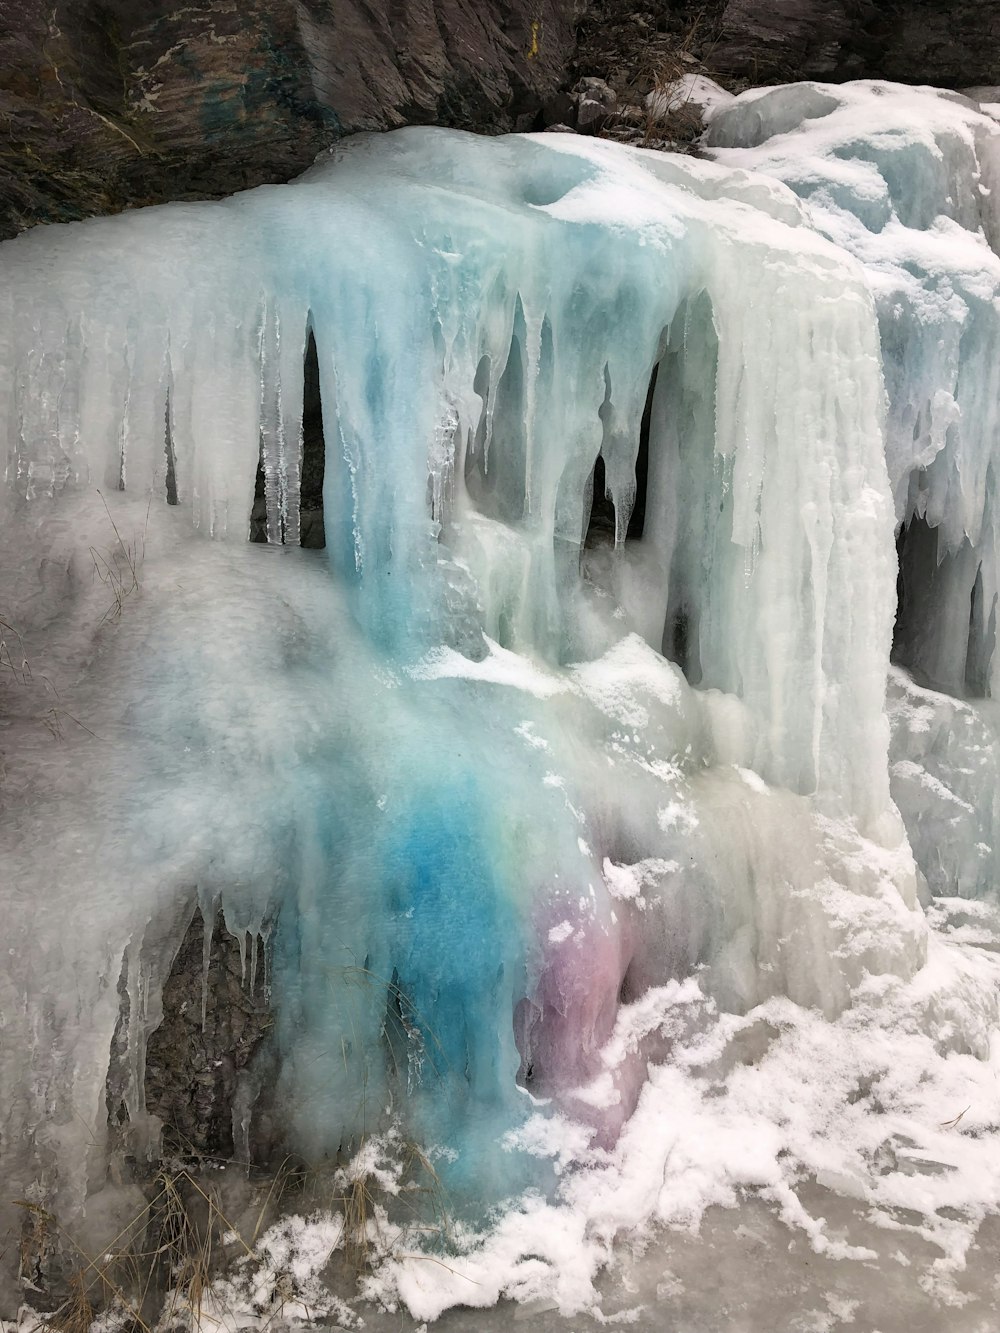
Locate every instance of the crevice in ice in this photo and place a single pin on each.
(601, 524)
(945, 630)
(688, 519)
(678, 643)
(982, 639)
(312, 468)
(526, 1018)
(215, 1016)
(631, 987)
(258, 515)
(312, 532)
(168, 451)
(637, 519)
(497, 461)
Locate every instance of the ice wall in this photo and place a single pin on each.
(904, 179)
(508, 756)
(522, 293)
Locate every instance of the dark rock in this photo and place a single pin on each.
(596, 105)
(636, 52)
(984, 94)
(558, 110)
(107, 104)
(214, 1019)
(949, 45)
(112, 103)
(596, 89)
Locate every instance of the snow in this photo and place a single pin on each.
(592, 862)
(689, 89)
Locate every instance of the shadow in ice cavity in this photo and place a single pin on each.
(169, 455)
(312, 533)
(601, 525)
(637, 519)
(496, 464)
(687, 517)
(945, 633)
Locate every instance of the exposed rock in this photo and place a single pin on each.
(214, 1019)
(785, 35)
(109, 103)
(596, 104)
(559, 110)
(112, 103)
(949, 45)
(639, 50)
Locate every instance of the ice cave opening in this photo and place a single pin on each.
(581, 790)
(278, 526)
(945, 630)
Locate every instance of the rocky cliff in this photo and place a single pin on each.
(112, 103)
(949, 43)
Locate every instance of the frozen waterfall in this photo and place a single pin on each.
(565, 771)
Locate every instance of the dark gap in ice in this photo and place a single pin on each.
(258, 514)
(473, 472)
(637, 520)
(168, 449)
(193, 1070)
(676, 641)
(313, 534)
(526, 1016)
(601, 526)
(629, 989)
(899, 627)
(982, 640)
(116, 1082)
(945, 633)
(916, 609)
(496, 476)
(688, 512)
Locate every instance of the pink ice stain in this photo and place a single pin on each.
(587, 943)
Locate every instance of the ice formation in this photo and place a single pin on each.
(571, 752)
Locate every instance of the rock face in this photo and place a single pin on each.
(111, 103)
(951, 45)
(215, 1015)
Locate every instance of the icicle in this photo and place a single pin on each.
(272, 443)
